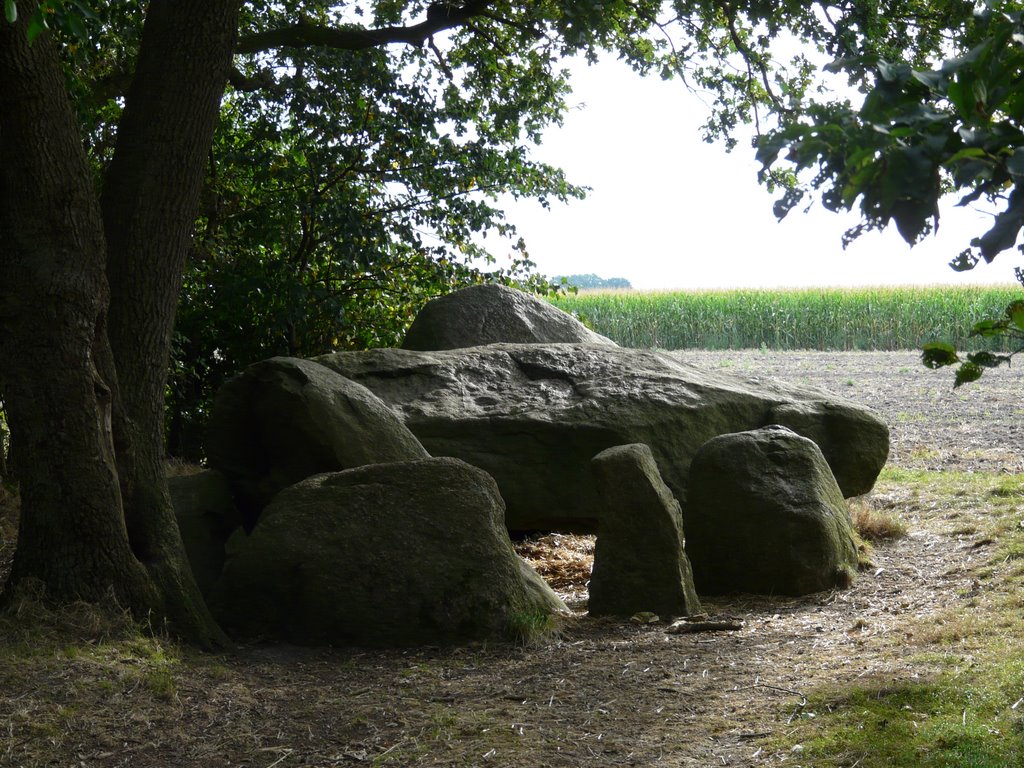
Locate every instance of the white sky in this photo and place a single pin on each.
(668, 211)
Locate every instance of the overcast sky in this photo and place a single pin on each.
(669, 211)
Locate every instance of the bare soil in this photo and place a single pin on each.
(975, 428)
(602, 693)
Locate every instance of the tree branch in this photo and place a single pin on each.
(354, 38)
(111, 85)
(262, 80)
(752, 61)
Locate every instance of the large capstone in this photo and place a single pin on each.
(533, 415)
(384, 555)
(640, 564)
(489, 314)
(284, 419)
(766, 516)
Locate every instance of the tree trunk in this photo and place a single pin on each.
(4, 474)
(150, 201)
(72, 537)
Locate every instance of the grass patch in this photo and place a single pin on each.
(534, 627)
(176, 467)
(966, 709)
(1009, 488)
(874, 524)
(947, 723)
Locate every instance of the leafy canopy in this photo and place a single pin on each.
(364, 147)
(922, 132)
(349, 184)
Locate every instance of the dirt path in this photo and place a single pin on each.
(606, 694)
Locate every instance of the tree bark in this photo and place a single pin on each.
(53, 294)
(150, 200)
(4, 474)
(84, 377)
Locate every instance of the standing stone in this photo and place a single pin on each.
(206, 517)
(491, 314)
(853, 442)
(400, 554)
(285, 419)
(766, 516)
(639, 560)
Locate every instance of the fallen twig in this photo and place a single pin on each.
(797, 711)
(686, 627)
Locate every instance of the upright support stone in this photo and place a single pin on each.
(401, 554)
(639, 560)
(765, 515)
(206, 517)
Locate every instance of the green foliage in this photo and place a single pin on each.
(922, 132)
(811, 318)
(351, 181)
(70, 18)
(331, 217)
(362, 189)
(1009, 328)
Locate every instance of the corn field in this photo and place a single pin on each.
(883, 318)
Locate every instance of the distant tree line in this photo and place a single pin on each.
(591, 281)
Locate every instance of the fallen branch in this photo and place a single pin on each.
(685, 627)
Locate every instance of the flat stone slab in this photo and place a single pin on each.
(533, 415)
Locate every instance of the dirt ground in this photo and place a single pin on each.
(977, 428)
(604, 693)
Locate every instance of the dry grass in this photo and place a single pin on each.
(874, 524)
(29, 620)
(565, 562)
